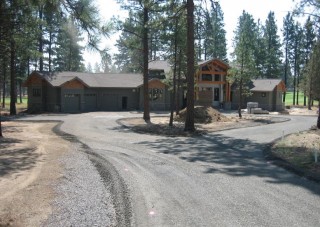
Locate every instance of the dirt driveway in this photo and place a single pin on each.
(29, 168)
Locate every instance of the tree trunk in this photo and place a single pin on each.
(0, 126)
(4, 85)
(41, 39)
(240, 99)
(13, 93)
(20, 91)
(146, 107)
(173, 96)
(294, 89)
(318, 122)
(189, 123)
(179, 85)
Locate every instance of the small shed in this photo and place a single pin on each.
(268, 93)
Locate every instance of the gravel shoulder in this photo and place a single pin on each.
(29, 167)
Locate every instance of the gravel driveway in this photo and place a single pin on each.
(220, 179)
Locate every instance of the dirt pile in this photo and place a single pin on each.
(203, 114)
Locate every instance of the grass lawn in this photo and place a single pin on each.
(19, 106)
(289, 99)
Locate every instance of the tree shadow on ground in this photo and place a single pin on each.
(219, 154)
(14, 160)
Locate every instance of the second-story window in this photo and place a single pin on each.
(206, 77)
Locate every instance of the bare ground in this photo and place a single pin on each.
(297, 152)
(30, 152)
(29, 167)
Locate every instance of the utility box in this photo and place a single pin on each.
(251, 106)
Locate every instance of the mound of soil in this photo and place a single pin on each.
(203, 114)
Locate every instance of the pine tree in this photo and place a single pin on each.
(313, 75)
(288, 35)
(215, 35)
(244, 63)
(272, 44)
(260, 51)
(308, 42)
(189, 123)
(68, 51)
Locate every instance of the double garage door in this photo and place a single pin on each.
(73, 103)
(108, 102)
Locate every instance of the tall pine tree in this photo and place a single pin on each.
(273, 52)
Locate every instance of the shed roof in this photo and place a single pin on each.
(95, 80)
(265, 85)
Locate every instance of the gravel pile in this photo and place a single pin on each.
(82, 197)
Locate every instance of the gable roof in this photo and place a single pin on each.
(265, 84)
(159, 65)
(94, 80)
(214, 60)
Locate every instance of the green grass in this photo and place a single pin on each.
(289, 99)
(19, 105)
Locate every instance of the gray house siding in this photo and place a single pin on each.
(73, 92)
(271, 101)
(114, 99)
(35, 102)
(264, 99)
(159, 104)
(72, 100)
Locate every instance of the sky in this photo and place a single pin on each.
(232, 10)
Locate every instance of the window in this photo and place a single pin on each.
(36, 92)
(71, 95)
(216, 94)
(216, 77)
(206, 77)
(155, 93)
(263, 94)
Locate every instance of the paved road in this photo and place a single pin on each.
(220, 179)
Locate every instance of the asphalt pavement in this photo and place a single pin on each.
(220, 179)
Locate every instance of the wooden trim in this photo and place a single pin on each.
(211, 82)
(213, 72)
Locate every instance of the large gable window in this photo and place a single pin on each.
(155, 93)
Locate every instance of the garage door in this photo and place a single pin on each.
(110, 102)
(90, 101)
(72, 103)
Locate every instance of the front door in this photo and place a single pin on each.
(124, 103)
(216, 96)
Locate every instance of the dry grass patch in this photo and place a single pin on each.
(298, 151)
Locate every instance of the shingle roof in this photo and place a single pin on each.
(265, 84)
(160, 65)
(102, 80)
(224, 64)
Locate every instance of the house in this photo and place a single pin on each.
(212, 86)
(267, 93)
(81, 92)
(159, 69)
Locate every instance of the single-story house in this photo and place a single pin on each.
(73, 92)
(267, 93)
